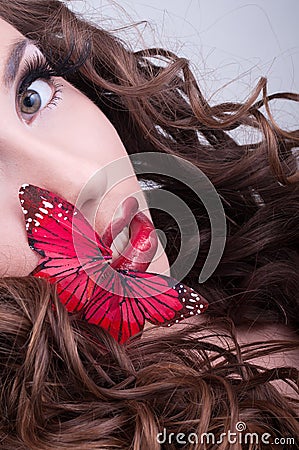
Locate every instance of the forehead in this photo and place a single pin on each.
(8, 34)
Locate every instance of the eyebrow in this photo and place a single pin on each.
(15, 55)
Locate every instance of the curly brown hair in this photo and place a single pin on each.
(65, 383)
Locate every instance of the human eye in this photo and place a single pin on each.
(37, 88)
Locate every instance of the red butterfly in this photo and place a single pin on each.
(75, 258)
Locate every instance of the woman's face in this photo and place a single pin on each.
(55, 140)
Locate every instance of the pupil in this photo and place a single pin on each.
(29, 100)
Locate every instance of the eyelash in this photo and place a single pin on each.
(37, 67)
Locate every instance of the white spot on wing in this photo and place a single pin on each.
(47, 204)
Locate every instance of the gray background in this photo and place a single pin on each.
(231, 43)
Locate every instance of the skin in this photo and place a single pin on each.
(59, 148)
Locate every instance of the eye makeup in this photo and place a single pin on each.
(36, 67)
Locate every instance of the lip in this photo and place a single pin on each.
(143, 241)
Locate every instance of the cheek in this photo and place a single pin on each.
(16, 257)
(78, 125)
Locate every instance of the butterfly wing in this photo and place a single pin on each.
(127, 298)
(53, 226)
